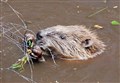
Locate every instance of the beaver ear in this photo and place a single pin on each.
(38, 35)
(87, 43)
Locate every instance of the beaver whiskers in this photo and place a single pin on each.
(70, 42)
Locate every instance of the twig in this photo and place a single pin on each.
(3, 32)
(25, 47)
(9, 30)
(98, 12)
(24, 77)
(12, 34)
(17, 30)
(14, 41)
(17, 14)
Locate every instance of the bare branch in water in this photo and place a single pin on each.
(24, 77)
(4, 32)
(98, 12)
(7, 29)
(19, 15)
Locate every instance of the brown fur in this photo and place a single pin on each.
(70, 42)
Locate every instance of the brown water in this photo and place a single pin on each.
(42, 14)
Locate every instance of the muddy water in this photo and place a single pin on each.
(41, 14)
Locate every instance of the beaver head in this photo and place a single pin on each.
(70, 42)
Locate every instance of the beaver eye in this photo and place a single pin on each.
(62, 36)
(39, 36)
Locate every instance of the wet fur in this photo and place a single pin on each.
(70, 42)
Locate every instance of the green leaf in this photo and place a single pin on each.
(20, 64)
(16, 66)
(24, 58)
(114, 22)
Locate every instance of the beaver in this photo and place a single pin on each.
(74, 42)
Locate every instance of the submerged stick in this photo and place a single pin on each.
(98, 12)
(24, 77)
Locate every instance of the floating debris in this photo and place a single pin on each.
(114, 22)
(28, 22)
(105, 1)
(98, 26)
(78, 6)
(78, 12)
(1, 69)
(115, 7)
(98, 82)
(56, 81)
(74, 69)
(98, 12)
(4, 54)
(3, 50)
(4, 1)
